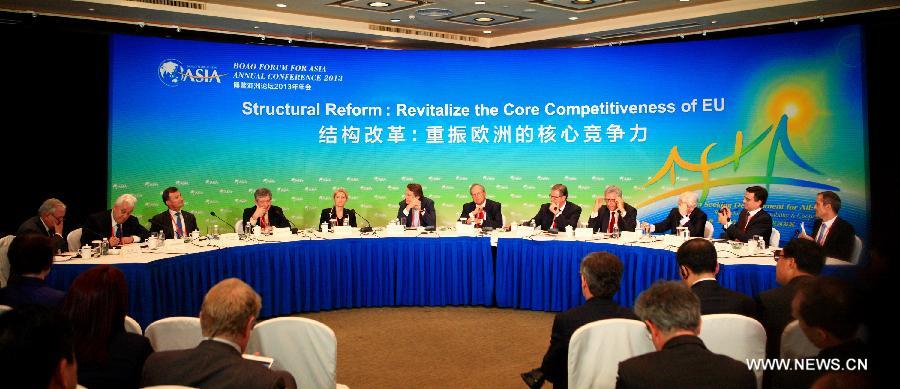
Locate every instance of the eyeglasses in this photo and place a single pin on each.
(555, 197)
(610, 200)
(778, 254)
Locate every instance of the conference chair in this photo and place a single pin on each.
(795, 344)
(4, 259)
(857, 250)
(735, 336)
(596, 349)
(239, 226)
(132, 326)
(775, 239)
(4, 308)
(303, 347)
(174, 333)
(708, 230)
(74, 240)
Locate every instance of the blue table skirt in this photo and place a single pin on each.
(544, 275)
(309, 276)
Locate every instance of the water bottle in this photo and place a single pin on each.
(615, 233)
(346, 221)
(324, 227)
(104, 247)
(248, 228)
(532, 223)
(162, 238)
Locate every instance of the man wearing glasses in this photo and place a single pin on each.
(611, 212)
(558, 213)
(48, 222)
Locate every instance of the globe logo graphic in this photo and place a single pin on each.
(170, 72)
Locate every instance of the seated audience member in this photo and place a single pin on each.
(117, 224)
(698, 266)
(264, 214)
(559, 213)
(611, 211)
(175, 222)
(601, 275)
(797, 264)
(672, 315)
(338, 212)
(482, 211)
(686, 214)
(227, 316)
(30, 259)
(753, 220)
(416, 209)
(48, 222)
(36, 349)
(833, 233)
(108, 357)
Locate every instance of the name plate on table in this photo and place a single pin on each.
(281, 231)
(345, 230)
(172, 242)
(584, 233)
(523, 231)
(465, 229)
(130, 249)
(229, 236)
(630, 236)
(395, 229)
(673, 240)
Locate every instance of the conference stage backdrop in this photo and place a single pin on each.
(220, 120)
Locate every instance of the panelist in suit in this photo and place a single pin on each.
(686, 214)
(174, 222)
(416, 209)
(117, 224)
(833, 233)
(264, 214)
(559, 212)
(624, 215)
(671, 313)
(481, 211)
(227, 315)
(753, 220)
(48, 222)
(338, 212)
(698, 265)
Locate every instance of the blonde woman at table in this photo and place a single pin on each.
(340, 215)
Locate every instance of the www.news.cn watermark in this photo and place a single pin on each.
(808, 364)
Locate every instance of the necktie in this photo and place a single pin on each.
(415, 218)
(479, 216)
(821, 238)
(179, 231)
(612, 222)
(118, 230)
(263, 222)
(748, 221)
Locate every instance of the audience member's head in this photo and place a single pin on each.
(36, 349)
(669, 309)
(31, 255)
(95, 304)
(229, 311)
(697, 258)
(843, 380)
(828, 311)
(601, 274)
(799, 257)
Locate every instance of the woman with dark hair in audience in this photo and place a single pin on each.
(108, 357)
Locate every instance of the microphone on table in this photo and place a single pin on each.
(364, 229)
(279, 211)
(223, 220)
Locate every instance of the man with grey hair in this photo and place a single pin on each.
(686, 214)
(48, 222)
(601, 275)
(264, 214)
(671, 313)
(117, 224)
(227, 316)
(611, 211)
(482, 211)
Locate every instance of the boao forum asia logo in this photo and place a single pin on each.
(173, 73)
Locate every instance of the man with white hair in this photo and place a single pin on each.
(48, 222)
(612, 211)
(117, 224)
(686, 214)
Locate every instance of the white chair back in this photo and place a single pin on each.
(775, 238)
(174, 333)
(708, 230)
(132, 326)
(303, 347)
(857, 250)
(239, 226)
(795, 344)
(74, 240)
(4, 308)
(735, 336)
(4, 259)
(596, 349)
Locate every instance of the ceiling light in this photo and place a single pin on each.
(91, 9)
(487, 31)
(484, 19)
(379, 4)
(714, 21)
(573, 18)
(256, 27)
(480, 2)
(395, 20)
(582, 1)
(281, 5)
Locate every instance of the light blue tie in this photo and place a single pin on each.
(179, 232)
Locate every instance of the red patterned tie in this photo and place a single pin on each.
(612, 222)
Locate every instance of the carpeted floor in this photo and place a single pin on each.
(436, 347)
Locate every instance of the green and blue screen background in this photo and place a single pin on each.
(785, 111)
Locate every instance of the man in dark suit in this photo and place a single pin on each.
(30, 259)
(686, 214)
(601, 275)
(753, 220)
(175, 223)
(481, 211)
(558, 213)
(416, 209)
(48, 222)
(672, 315)
(264, 214)
(797, 265)
(624, 216)
(698, 265)
(833, 233)
(117, 224)
(227, 316)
